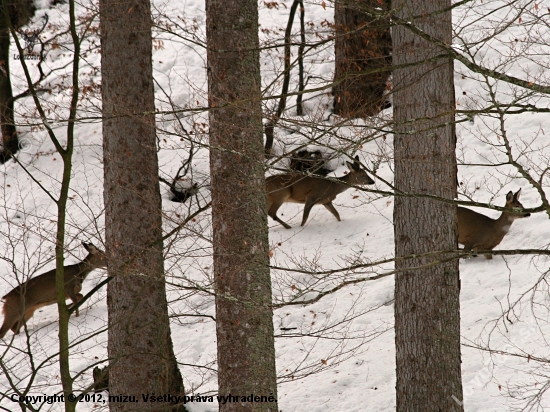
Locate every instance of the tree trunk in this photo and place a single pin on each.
(363, 57)
(427, 312)
(244, 318)
(10, 142)
(140, 345)
(20, 12)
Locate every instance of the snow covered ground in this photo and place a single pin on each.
(338, 353)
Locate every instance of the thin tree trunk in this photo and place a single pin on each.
(244, 319)
(363, 57)
(427, 312)
(270, 125)
(19, 12)
(301, 48)
(10, 142)
(140, 345)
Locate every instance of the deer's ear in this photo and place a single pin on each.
(350, 166)
(90, 248)
(509, 196)
(517, 194)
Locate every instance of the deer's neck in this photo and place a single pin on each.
(80, 270)
(504, 222)
(345, 183)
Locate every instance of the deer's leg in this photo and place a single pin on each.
(17, 325)
(77, 297)
(489, 246)
(5, 327)
(10, 322)
(23, 319)
(286, 225)
(477, 247)
(469, 247)
(330, 207)
(29, 312)
(12, 317)
(272, 212)
(307, 208)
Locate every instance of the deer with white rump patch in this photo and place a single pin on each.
(479, 232)
(21, 303)
(311, 190)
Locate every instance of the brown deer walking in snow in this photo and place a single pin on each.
(21, 303)
(311, 190)
(479, 232)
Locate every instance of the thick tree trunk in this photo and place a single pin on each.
(244, 319)
(363, 57)
(427, 316)
(140, 346)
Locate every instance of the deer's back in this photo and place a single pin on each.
(41, 289)
(477, 229)
(296, 187)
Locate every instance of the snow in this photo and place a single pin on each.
(344, 360)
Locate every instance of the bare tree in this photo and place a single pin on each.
(362, 56)
(140, 346)
(427, 316)
(246, 353)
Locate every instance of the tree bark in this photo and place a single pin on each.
(10, 142)
(139, 345)
(244, 318)
(427, 312)
(19, 12)
(363, 57)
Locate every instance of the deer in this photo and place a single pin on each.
(480, 232)
(311, 190)
(22, 301)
